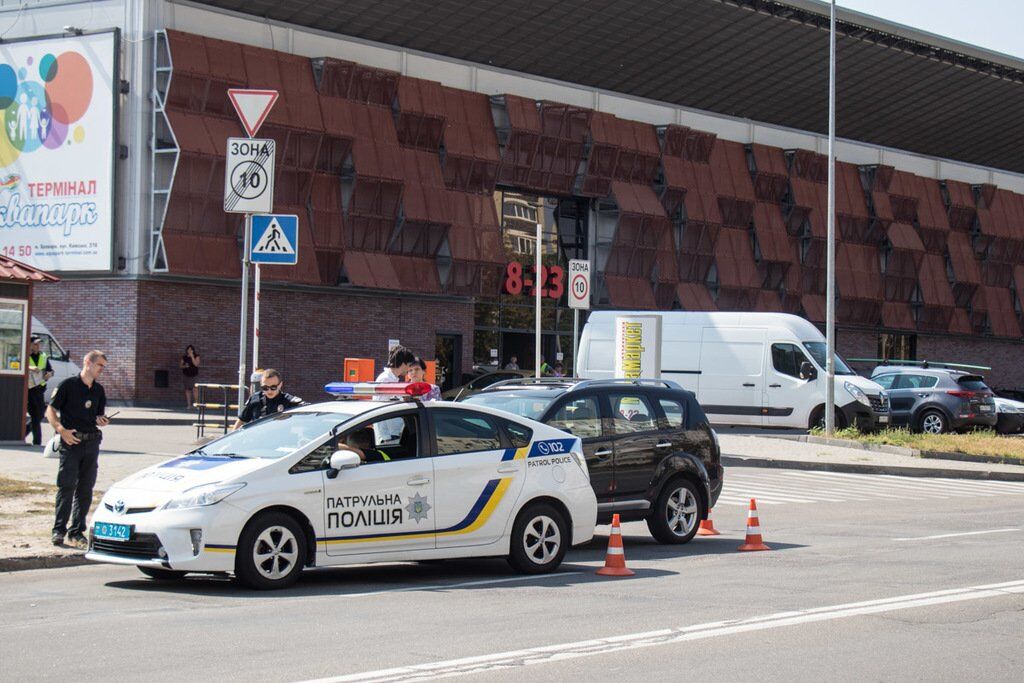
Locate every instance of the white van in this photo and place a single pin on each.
(760, 369)
(60, 360)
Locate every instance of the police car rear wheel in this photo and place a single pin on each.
(271, 552)
(676, 514)
(162, 574)
(540, 538)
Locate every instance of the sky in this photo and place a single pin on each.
(991, 24)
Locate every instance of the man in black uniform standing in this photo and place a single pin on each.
(270, 399)
(39, 370)
(81, 402)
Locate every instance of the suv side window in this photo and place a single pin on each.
(580, 416)
(786, 358)
(460, 431)
(915, 382)
(675, 412)
(885, 381)
(632, 413)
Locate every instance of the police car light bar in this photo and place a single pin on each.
(388, 389)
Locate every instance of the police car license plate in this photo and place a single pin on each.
(112, 532)
(883, 418)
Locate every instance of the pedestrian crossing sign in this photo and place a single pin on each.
(275, 239)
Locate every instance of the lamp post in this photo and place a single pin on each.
(830, 293)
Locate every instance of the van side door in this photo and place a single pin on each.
(732, 374)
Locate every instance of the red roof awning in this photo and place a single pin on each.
(16, 270)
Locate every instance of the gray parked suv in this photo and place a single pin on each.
(936, 400)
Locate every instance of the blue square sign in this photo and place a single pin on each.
(275, 239)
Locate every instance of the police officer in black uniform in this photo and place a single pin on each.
(81, 403)
(270, 399)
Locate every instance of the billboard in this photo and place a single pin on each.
(57, 109)
(638, 346)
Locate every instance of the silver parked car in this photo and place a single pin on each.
(935, 400)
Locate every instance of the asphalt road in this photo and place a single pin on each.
(853, 589)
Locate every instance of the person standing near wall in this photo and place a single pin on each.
(39, 370)
(190, 370)
(76, 412)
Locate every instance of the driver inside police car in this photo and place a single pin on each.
(361, 442)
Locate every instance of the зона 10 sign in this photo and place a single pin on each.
(57, 151)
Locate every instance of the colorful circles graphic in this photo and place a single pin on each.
(47, 68)
(8, 86)
(71, 86)
(79, 134)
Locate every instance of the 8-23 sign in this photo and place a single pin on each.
(551, 280)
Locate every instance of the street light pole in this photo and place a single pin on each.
(830, 294)
(538, 281)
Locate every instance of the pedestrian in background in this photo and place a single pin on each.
(418, 373)
(39, 370)
(513, 363)
(399, 361)
(190, 370)
(269, 400)
(76, 412)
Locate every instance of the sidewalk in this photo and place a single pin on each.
(147, 436)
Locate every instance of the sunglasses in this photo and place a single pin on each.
(270, 387)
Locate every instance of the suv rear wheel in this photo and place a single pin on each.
(677, 513)
(933, 422)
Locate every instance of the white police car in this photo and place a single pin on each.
(348, 482)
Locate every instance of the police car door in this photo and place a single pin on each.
(385, 504)
(479, 475)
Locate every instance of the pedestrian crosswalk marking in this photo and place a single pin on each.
(782, 487)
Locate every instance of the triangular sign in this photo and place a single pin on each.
(252, 107)
(273, 241)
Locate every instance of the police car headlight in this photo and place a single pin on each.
(858, 394)
(200, 496)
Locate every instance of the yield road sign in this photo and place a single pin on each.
(579, 284)
(252, 107)
(249, 176)
(275, 239)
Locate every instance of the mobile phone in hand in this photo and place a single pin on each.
(113, 414)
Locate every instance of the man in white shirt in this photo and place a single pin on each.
(399, 361)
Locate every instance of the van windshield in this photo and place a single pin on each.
(818, 350)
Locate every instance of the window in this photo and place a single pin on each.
(465, 432)
(520, 435)
(884, 381)
(673, 412)
(275, 436)
(631, 413)
(897, 346)
(786, 358)
(580, 417)
(390, 438)
(915, 382)
(972, 383)
(12, 336)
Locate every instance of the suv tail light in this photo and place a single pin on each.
(963, 394)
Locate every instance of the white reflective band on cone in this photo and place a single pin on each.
(753, 529)
(615, 551)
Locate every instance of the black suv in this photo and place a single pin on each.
(651, 453)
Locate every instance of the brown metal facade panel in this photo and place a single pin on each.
(903, 236)
(997, 302)
(340, 78)
(810, 166)
(771, 178)
(813, 306)
(731, 171)
(767, 301)
(421, 118)
(897, 316)
(960, 322)
(215, 256)
(734, 259)
(626, 293)
(934, 282)
(813, 197)
(961, 207)
(694, 296)
(471, 156)
(965, 266)
(858, 271)
(306, 271)
(191, 134)
(776, 251)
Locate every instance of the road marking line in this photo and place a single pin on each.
(966, 533)
(464, 584)
(586, 648)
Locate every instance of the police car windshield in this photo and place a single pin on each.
(274, 437)
(818, 351)
(526, 403)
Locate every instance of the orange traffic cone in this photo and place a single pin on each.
(753, 541)
(615, 558)
(707, 527)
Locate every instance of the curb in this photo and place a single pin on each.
(965, 457)
(18, 564)
(899, 450)
(850, 468)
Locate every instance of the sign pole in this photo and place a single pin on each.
(575, 342)
(242, 335)
(538, 281)
(830, 286)
(256, 317)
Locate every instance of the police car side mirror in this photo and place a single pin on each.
(342, 460)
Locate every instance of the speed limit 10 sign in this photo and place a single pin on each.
(579, 284)
(249, 176)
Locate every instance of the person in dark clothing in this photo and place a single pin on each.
(190, 370)
(270, 399)
(39, 370)
(76, 412)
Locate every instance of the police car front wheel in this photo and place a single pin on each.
(540, 538)
(271, 552)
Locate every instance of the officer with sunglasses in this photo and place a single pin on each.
(270, 399)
